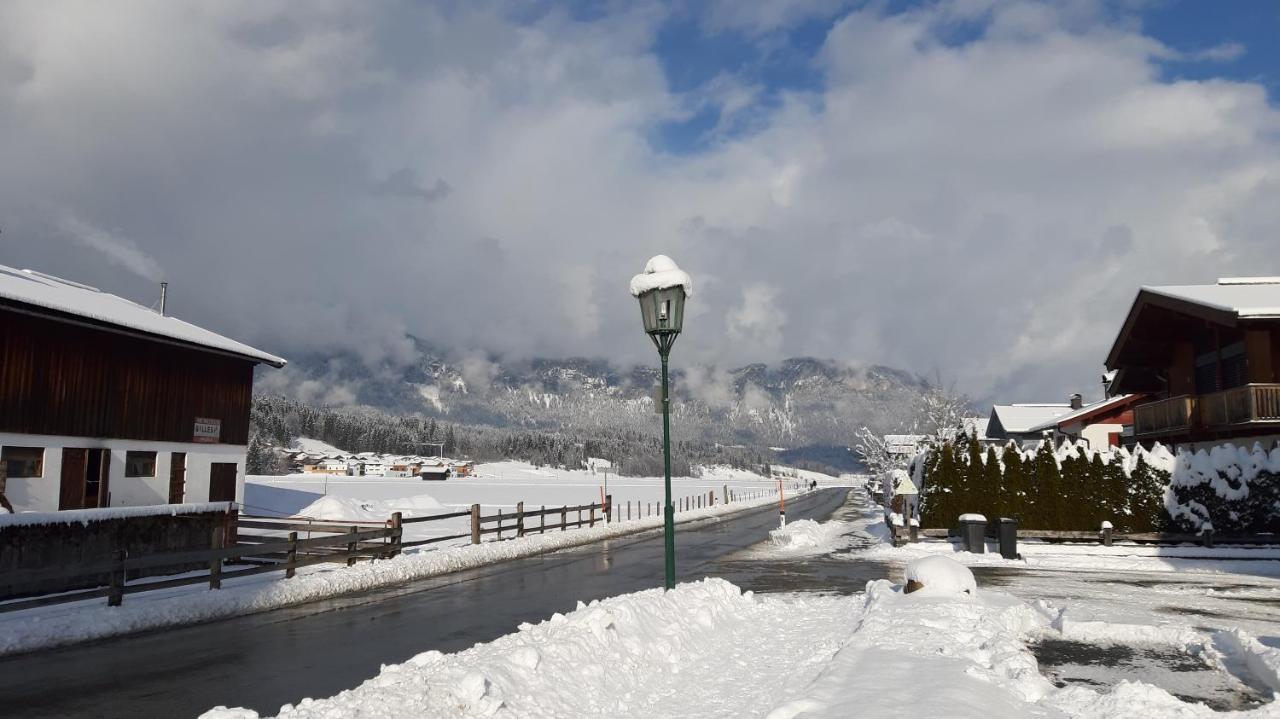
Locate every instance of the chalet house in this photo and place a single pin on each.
(1100, 424)
(106, 403)
(1020, 422)
(1208, 357)
(434, 471)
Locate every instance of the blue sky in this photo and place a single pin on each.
(1241, 35)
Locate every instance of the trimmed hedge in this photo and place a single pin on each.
(1071, 487)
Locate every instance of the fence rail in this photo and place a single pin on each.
(259, 544)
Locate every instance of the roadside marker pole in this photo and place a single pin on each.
(782, 506)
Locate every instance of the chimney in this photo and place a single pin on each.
(1077, 401)
(164, 295)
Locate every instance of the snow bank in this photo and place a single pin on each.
(652, 654)
(661, 272)
(333, 507)
(940, 575)
(810, 537)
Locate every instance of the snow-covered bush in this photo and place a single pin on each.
(1233, 489)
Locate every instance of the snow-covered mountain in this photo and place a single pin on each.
(794, 403)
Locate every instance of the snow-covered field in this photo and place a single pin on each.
(495, 486)
(707, 649)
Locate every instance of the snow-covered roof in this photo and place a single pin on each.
(1083, 411)
(661, 272)
(1025, 417)
(52, 293)
(975, 426)
(1252, 297)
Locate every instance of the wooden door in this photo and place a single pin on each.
(177, 477)
(222, 482)
(71, 491)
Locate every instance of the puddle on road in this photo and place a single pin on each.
(1101, 667)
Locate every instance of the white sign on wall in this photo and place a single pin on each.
(207, 430)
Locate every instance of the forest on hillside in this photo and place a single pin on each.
(276, 421)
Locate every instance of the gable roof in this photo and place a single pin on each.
(1023, 418)
(41, 294)
(1086, 412)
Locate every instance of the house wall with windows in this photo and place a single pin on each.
(104, 402)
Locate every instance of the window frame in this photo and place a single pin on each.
(39, 462)
(130, 455)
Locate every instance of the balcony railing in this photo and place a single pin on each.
(1166, 415)
(1241, 405)
(1250, 404)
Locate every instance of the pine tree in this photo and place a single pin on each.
(1015, 484)
(1045, 490)
(995, 495)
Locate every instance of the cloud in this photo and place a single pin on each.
(119, 251)
(973, 186)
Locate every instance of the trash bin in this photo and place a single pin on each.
(973, 530)
(1008, 538)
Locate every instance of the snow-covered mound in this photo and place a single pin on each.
(334, 507)
(806, 535)
(939, 576)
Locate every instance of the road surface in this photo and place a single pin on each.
(263, 661)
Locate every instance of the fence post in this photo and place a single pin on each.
(475, 524)
(564, 518)
(519, 519)
(215, 564)
(542, 520)
(397, 534)
(579, 524)
(499, 524)
(1208, 538)
(1106, 534)
(591, 517)
(115, 591)
(608, 508)
(291, 559)
(351, 548)
(628, 510)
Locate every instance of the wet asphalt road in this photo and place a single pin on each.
(265, 660)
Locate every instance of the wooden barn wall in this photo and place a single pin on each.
(63, 379)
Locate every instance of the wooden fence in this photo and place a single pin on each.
(258, 545)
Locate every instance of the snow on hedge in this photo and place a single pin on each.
(85, 516)
(707, 649)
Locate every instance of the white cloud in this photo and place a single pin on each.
(340, 176)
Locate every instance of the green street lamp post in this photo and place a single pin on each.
(662, 289)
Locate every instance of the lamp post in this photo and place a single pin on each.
(662, 289)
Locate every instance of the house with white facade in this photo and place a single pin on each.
(107, 403)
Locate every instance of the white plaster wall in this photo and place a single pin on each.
(41, 494)
(1097, 434)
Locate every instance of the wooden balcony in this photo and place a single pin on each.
(1176, 414)
(1237, 407)
(1241, 405)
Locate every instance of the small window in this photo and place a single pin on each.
(23, 462)
(140, 464)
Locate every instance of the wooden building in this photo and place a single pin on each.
(1208, 356)
(104, 402)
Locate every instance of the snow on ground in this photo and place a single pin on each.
(73, 622)
(805, 536)
(708, 650)
(495, 486)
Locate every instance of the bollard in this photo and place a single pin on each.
(913, 530)
(973, 528)
(1008, 538)
(1106, 534)
(115, 590)
(1207, 535)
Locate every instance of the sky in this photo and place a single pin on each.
(972, 189)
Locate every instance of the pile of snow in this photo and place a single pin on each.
(810, 537)
(940, 576)
(333, 507)
(707, 649)
(660, 273)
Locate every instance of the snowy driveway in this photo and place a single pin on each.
(263, 661)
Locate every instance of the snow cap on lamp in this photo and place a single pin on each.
(661, 272)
